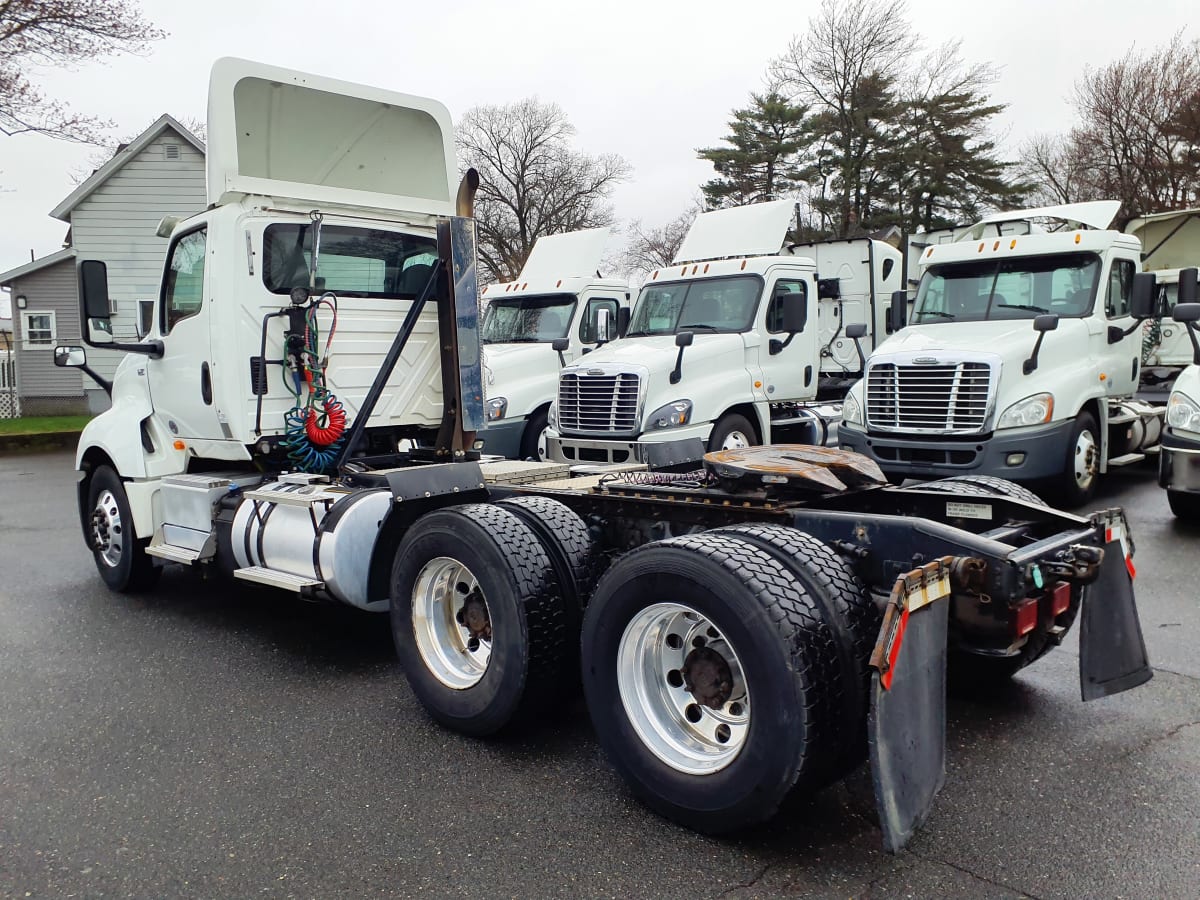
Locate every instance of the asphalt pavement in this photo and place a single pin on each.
(217, 740)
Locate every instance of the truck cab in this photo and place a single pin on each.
(319, 236)
(557, 299)
(730, 345)
(1021, 359)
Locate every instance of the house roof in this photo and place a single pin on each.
(118, 161)
(12, 275)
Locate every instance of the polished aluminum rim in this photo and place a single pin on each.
(1084, 464)
(451, 623)
(108, 536)
(683, 689)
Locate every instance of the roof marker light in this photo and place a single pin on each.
(744, 263)
(1013, 244)
(525, 285)
(1078, 236)
(683, 271)
(706, 268)
(694, 268)
(995, 246)
(559, 284)
(980, 250)
(655, 275)
(929, 252)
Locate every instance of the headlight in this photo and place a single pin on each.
(674, 414)
(851, 411)
(1034, 410)
(496, 408)
(1183, 412)
(552, 415)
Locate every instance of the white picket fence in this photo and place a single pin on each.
(10, 404)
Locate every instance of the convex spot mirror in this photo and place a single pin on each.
(1185, 313)
(560, 344)
(603, 326)
(1045, 323)
(857, 330)
(1189, 286)
(898, 312)
(684, 338)
(1144, 295)
(70, 357)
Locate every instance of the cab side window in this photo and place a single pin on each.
(587, 325)
(183, 292)
(1120, 288)
(775, 308)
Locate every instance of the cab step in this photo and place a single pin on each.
(161, 548)
(297, 584)
(1127, 460)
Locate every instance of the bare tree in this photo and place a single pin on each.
(1054, 167)
(654, 248)
(532, 182)
(60, 34)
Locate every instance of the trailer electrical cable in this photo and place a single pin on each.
(315, 428)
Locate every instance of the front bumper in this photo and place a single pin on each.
(571, 449)
(1179, 463)
(503, 437)
(1019, 454)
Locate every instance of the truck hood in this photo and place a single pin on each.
(997, 337)
(524, 374)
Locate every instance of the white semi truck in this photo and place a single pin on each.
(324, 310)
(1022, 358)
(741, 341)
(1179, 460)
(558, 297)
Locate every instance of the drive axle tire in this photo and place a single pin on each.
(711, 679)
(1184, 505)
(480, 623)
(120, 556)
(848, 611)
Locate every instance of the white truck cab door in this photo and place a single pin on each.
(181, 382)
(792, 373)
(1122, 359)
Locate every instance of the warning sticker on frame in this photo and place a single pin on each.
(959, 510)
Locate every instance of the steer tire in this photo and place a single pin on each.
(1184, 506)
(531, 632)
(785, 655)
(729, 424)
(532, 435)
(130, 569)
(984, 484)
(848, 611)
(575, 557)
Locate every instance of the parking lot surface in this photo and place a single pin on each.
(219, 740)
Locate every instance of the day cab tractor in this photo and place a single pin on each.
(744, 624)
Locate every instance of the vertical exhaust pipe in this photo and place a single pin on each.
(464, 204)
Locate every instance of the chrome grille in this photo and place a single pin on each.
(598, 404)
(943, 398)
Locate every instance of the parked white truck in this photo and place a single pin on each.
(737, 343)
(324, 309)
(559, 298)
(1179, 460)
(1170, 242)
(1022, 358)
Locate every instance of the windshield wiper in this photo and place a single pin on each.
(1013, 306)
(697, 325)
(936, 312)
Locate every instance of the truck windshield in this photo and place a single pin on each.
(527, 319)
(1018, 288)
(353, 262)
(706, 305)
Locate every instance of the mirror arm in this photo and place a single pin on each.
(776, 346)
(96, 377)
(678, 371)
(1191, 330)
(562, 360)
(153, 349)
(1032, 363)
(862, 359)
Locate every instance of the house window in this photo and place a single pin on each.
(38, 330)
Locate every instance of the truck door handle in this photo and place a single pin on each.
(205, 384)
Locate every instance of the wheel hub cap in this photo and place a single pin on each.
(107, 530)
(451, 623)
(1085, 460)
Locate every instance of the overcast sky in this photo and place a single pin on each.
(649, 80)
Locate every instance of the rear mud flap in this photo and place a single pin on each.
(906, 725)
(1112, 651)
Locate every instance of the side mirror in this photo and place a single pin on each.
(898, 312)
(1186, 313)
(603, 326)
(1046, 323)
(684, 338)
(1189, 285)
(623, 314)
(1142, 299)
(793, 312)
(856, 331)
(560, 346)
(70, 357)
(93, 301)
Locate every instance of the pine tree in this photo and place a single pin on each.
(763, 158)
